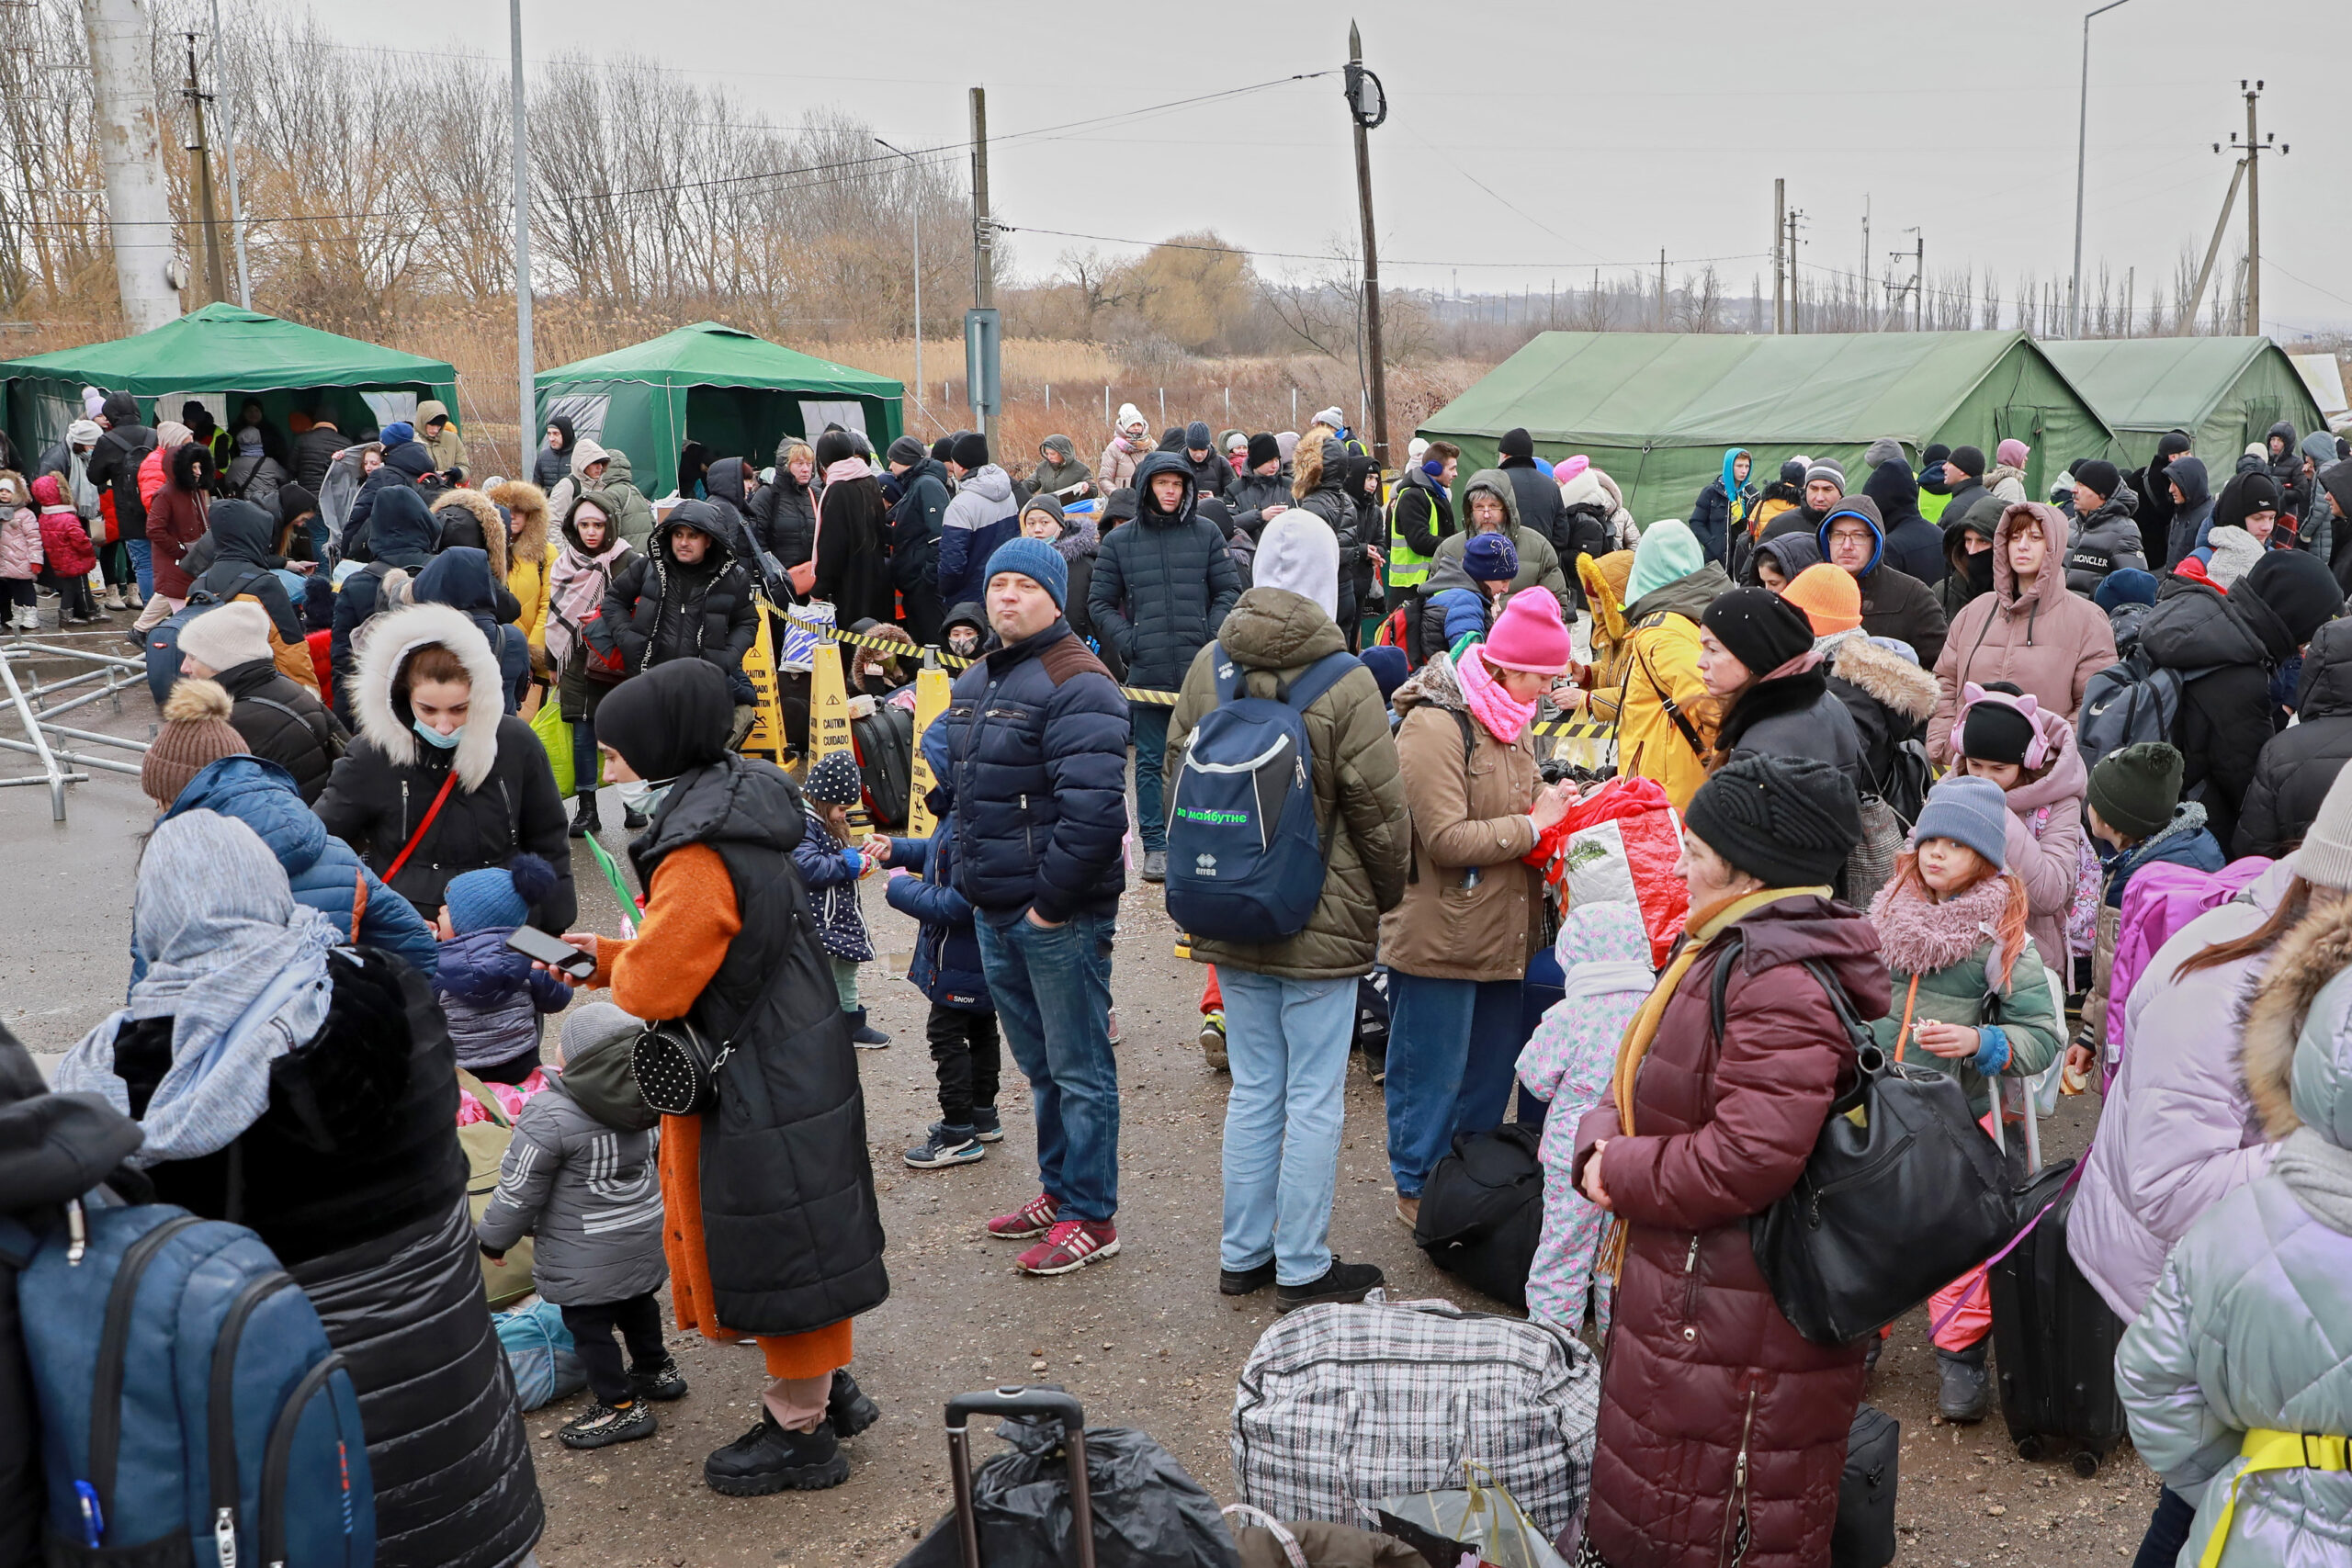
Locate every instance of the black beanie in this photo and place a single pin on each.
(1788, 821)
(1968, 460)
(905, 449)
(1517, 442)
(943, 448)
(2299, 588)
(1263, 449)
(293, 500)
(1763, 630)
(1936, 453)
(1996, 732)
(2134, 789)
(1196, 436)
(1793, 472)
(971, 451)
(2100, 477)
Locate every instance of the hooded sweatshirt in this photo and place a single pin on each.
(2189, 517)
(1914, 544)
(1539, 563)
(1894, 603)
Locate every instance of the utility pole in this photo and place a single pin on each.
(1779, 223)
(130, 155)
(1367, 107)
(2082, 157)
(1863, 277)
(1661, 289)
(1796, 296)
(982, 339)
(526, 392)
(2187, 319)
(216, 289)
(2255, 147)
(229, 137)
(1919, 286)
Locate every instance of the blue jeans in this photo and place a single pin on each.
(143, 564)
(1151, 749)
(584, 757)
(1452, 1049)
(1052, 989)
(2168, 1529)
(1287, 1043)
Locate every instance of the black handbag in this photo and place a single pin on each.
(677, 1066)
(1902, 1195)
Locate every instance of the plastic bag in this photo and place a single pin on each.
(538, 1346)
(1620, 844)
(1147, 1512)
(1481, 1514)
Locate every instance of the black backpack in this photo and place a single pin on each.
(1482, 1211)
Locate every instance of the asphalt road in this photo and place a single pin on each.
(1143, 1340)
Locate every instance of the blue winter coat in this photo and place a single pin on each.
(492, 997)
(1037, 774)
(1162, 584)
(325, 872)
(946, 964)
(833, 889)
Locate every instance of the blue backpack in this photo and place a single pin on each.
(191, 1409)
(1245, 861)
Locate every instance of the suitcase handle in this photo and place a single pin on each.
(1014, 1400)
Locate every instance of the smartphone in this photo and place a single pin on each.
(553, 952)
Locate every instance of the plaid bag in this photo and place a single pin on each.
(1340, 1406)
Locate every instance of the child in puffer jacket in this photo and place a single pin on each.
(1972, 995)
(492, 996)
(20, 557)
(1605, 959)
(2007, 737)
(831, 869)
(65, 540)
(579, 1175)
(966, 1050)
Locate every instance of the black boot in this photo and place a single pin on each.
(584, 820)
(864, 1035)
(767, 1458)
(632, 818)
(848, 1411)
(1965, 1391)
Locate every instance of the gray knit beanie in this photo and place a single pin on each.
(2325, 859)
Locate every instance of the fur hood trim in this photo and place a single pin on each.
(1434, 685)
(1897, 684)
(2308, 957)
(1921, 937)
(529, 503)
(391, 641)
(493, 527)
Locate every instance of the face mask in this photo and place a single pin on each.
(435, 739)
(645, 798)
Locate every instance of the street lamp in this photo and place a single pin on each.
(2082, 151)
(918, 212)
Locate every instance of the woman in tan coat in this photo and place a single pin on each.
(1457, 947)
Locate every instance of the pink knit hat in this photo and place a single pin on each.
(1528, 635)
(2012, 451)
(1569, 467)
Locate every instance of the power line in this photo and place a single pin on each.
(1307, 255)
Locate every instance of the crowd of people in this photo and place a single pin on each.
(1920, 739)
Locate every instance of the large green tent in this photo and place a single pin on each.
(735, 393)
(1655, 411)
(2225, 391)
(222, 354)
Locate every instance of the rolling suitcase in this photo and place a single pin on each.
(884, 741)
(2054, 1335)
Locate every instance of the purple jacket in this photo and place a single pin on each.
(2177, 1130)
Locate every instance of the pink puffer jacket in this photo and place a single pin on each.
(2045, 826)
(2048, 641)
(21, 544)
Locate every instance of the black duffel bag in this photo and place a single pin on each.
(1864, 1534)
(1482, 1212)
(1891, 1208)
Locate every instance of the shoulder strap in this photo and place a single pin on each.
(1469, 749)
(1319, 678)
(422, 827)
(1665, 701)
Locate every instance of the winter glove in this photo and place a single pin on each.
(1992, 1049)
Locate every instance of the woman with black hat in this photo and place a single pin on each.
(773, 1227)
(1719, 1421)
(1756, 656)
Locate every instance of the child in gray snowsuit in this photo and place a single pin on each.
(581, 1175)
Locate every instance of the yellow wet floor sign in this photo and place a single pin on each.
(932, 685)
(767, 736)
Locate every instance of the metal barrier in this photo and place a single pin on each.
(53, 745)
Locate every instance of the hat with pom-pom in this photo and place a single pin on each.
(497, 896)
(196, 734)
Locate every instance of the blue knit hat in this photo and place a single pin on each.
(1971, 811)
(1035, 559)
(1489, 558)
(498, 897)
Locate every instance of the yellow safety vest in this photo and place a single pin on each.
(2265, 1449)
(1408, 568)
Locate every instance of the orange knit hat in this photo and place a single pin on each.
(1828, 597)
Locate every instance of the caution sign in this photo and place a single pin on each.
(828, 707)
(766, 735)
(932, 685)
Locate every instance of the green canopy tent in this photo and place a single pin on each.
(2225, 391)
(1655, 411)
(735, 393)
(224, 355)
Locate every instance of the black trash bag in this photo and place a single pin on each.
(1147, 1512)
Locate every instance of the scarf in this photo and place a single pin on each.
(848, 468)
(1505, 716)
(2319, 1175)
(575, 592)
(1705, 925)
(237, 965)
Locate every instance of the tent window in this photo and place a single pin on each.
(586, 411)
(168, 406)
(390, 408)
(815, 416)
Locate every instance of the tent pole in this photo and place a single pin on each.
(526, 398)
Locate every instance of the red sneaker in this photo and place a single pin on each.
(1034, 1218)
(1070, 1246)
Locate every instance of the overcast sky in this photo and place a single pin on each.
(1531, 142)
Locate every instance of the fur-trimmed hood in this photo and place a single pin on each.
(484, 512)
(1920, 936)
(386, 723)
(1894, 682)
(2279, 1027)
(529, 503)
(1434, 683)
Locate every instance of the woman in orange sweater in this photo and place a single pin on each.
(772, 1227)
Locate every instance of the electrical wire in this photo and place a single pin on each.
(1386, 261)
